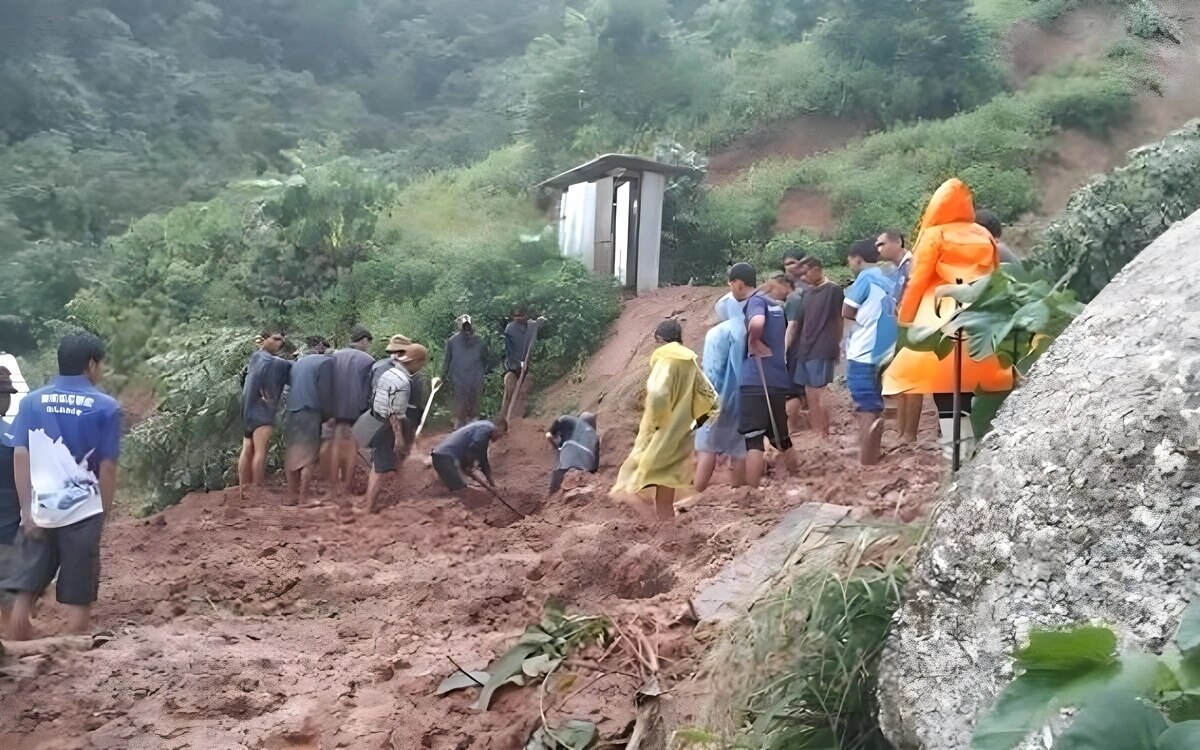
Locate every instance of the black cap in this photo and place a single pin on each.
(743, 272)
(358, 333)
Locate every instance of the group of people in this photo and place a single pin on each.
(336, 403)
(773, 349)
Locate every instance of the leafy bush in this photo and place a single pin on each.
(192, 441)
(1107, 223)
(1148, 21)
(1121, 698)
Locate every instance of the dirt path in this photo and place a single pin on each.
(238, 623)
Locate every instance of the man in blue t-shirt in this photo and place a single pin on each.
(871, 303)
(66, 441)
(764, 379)
(464, 449)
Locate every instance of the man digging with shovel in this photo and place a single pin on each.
(464, 449)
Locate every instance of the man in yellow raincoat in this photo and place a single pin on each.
(951, 249)
(678, 397)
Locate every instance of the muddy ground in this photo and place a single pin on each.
(236, 622)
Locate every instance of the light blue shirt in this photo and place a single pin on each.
(873, 333)
(724, 350)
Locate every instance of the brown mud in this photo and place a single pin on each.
(233, 621)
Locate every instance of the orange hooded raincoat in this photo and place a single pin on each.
(950, 247)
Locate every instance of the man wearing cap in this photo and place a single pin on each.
(351, 397)
(10, 506)
(390, 445)
(419, 390)
(464, 367)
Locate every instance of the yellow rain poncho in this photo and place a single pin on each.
(951, 247)
(677, 394)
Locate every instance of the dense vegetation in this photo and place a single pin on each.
(1107, 223)
(176, 174)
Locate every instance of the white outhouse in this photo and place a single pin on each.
(610, 216)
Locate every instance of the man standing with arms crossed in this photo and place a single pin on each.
(66, 441)
(764, 376)
(814, 341)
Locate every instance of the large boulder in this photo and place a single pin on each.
(1082, 504)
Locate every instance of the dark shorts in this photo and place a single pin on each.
(10, 517)
(866, 387)
(754, 422)
(383, 450)
(815, 373)
(252, 428)
(301, 439)
(350, 422)
(73, 552)
(449, 471)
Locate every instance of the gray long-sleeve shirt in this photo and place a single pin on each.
(262, 387)
(466, 362)
(310, 384)
(351, 383)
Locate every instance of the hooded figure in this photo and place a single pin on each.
(464, 367)
(724, 351)
(951, 249)
(678, 395)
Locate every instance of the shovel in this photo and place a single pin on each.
(437, 383)
(493, 493)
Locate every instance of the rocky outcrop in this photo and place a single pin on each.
(1082, 505)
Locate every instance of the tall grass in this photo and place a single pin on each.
(800, 670)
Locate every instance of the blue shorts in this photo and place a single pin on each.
(815, 373)
(865, 386)
(722, 440)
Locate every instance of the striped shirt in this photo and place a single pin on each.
(392, 393)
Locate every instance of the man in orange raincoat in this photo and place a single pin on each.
(951, 249)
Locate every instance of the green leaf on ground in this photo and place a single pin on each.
(539, 664)
(503, 669)
(1113, 720)
(460, 680)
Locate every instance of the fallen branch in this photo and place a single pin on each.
(38, 646)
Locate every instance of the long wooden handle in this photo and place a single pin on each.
(425, 415)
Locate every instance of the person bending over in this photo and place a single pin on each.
(578, 446)
(462, 451)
